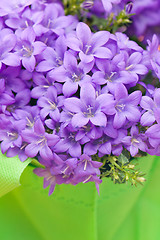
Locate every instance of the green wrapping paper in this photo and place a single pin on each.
(120, 212)
(10, 172)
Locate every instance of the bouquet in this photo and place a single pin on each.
(79, 87)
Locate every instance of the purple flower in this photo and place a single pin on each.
(28, 113)
(145, 19)
(133, 66)
(13, 82)
(14, 6)
(8, 42)
(14, 151)
(152, 108)
(53, 57)
(89, 45)
(135, 142)
(87, 4)
(126, 106)
(27, 48)
(54, 123)
(72, 74)
(124, 43)
(88, 132)
(153, 55)
(22, 98)
(39, 141)
(108, 4)
(50, 103)
(87, 171)
(49, 179)
(111, 72)
(66, 93)
(88, 107)
(117, 145)
(129, 7)
(41, 85)
(153, 132)
(10, 133)
(54, 20)
(27, 19)
(68, 142)
(65, 168)
(5, 98)
(103, 145)
(57, 171)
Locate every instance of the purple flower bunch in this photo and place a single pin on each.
(145, 21)
(104, 8)
(144, 15)
(67, 95)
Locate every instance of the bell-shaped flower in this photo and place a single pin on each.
(152, 107)
(10, 133)
(72, 73)
(53, 56)
(133, 66)
(87, 171)
(27, 48)
(135, 141)
(89, 45)
(49, 179)
(68, 143)
(8, 42)
(54, 20)
(126, 106)
(39, 141)
(109, 4)
(89, 107)
(28, 18)
(14, 6)
(13, 81)
(50, 103)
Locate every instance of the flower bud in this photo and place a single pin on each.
(131, 166)
(141, 179)
(129, 7)
(87, 4)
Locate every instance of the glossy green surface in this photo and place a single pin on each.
(121, 212)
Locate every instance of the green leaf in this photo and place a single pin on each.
(123, 159)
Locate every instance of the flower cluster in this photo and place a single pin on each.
(143, 14)
(145, 21)
(69, 97)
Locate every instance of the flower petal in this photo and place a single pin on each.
(99, 119)
(83, 33)
(11, 59)
(29, 63)
(79, 120)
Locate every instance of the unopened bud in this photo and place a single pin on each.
(127, 177)
(129, 7)
(87, 4)
(116, 176)
(141, 179)
(131, 166)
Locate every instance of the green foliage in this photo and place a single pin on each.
(121, 169)
(72, 7)
(112, 23)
